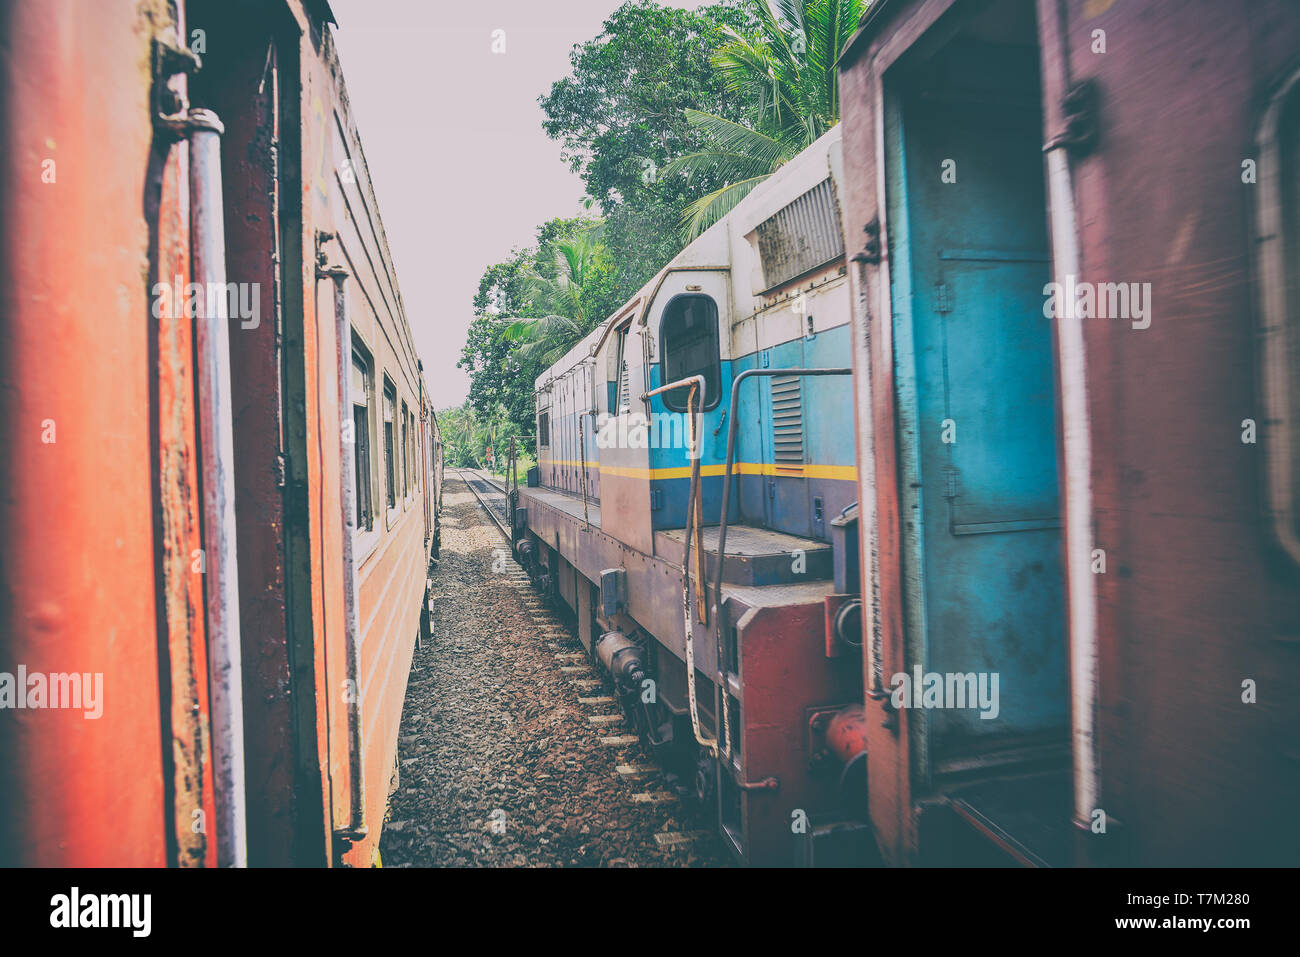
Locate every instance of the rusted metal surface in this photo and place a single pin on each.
(1180, 513)
(846, 735)
(801, 237)
(242, 82)
(119, 592)
(108, 591)
(782, 670)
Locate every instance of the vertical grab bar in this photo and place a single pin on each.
(216, 444)
(696, 384)
(722, 526)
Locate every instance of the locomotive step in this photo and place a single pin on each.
(757, 556)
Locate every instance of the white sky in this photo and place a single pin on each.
(453, 137)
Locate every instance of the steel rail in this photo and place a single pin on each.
(505, 532)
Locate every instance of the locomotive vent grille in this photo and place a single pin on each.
(800, 237)
(787, 421)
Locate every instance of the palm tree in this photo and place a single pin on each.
(786, 73)
(568, 316)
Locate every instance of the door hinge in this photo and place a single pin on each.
(944, 298)
(168, 98)
(950, 483)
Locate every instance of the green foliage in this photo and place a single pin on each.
(467, 435)
(783, 71)
(580, 262)
(621, 118)
(619, 114)
(531, 285)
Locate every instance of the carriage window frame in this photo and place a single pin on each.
(1276, 224)
(363, 448)
(407, 492)
(544, 428)
(665, 351)
(417, 443)
(392, 500)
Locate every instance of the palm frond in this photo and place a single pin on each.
(727, 167)
(728, 137)
(545, 339)
(708, 209)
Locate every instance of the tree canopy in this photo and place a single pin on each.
(670, 117)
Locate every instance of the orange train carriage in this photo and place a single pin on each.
(226, 524)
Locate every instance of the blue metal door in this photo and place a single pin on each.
(974, 371)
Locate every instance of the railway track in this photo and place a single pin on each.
(491, 497)
(571, 784)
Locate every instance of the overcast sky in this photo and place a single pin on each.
(422, 72)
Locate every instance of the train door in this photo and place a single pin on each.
(975, 393)
(251, 78)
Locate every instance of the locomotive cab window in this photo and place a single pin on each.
(361, 385)
(543, 430)
(688, 343)
(623, 401)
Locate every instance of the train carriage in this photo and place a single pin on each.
(253, 597)
(1074, 346)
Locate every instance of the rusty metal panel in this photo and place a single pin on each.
(231, 83)
(801, 237)
(99, 517)
(1181, 507)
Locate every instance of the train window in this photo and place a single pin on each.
(688, 342)
(543, 430)
(624, 404)
(390, 407)
(406, 451)
(361, 385)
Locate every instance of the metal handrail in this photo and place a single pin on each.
(722, 525)
(694, 514)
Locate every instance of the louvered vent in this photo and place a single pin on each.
(624, 400)
(787, 419)
(801, 237)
